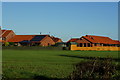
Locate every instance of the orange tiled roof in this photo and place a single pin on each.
(100, 39)
(18, 38)
(117, 41)
(3, 30)
(32, 38)
(73, 39)
(4, 33)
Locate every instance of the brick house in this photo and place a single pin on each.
(43, 40)
(92, 41)
(5, 35)
(32, 40)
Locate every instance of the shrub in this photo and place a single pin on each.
(94, 69)
(6, 43)
(11, 43)
(65, 48)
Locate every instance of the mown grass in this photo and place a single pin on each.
(48, 63)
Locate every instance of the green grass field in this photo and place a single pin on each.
(48, 63)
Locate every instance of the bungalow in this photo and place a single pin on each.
(95, 41)
(32, 40)
(43, 40)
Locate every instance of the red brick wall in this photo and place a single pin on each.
(10, 35)
(47, 41)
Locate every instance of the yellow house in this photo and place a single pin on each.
(99, 43)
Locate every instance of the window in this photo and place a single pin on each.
(95, 44)
(89, 45)
(48, 44)
(84, 44)
(80, 44)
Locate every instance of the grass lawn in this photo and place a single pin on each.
(48, 63)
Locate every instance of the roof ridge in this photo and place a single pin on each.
(34, 35)
(96, 36)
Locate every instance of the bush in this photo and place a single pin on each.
(6, 43)
(65, 48)
(11, 43)
(94, 69)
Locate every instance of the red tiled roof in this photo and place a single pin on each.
(73, 39)
(4, 33)
(100, 39)
(117, 41)
(3, 30)
(32, 38)
(18, 38)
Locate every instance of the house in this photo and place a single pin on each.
(99, 41)
(32, 40)
(6, 34)
(43, 40)
(95, 41)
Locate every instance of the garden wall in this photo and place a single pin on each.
(74, 47)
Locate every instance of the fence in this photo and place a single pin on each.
(74, 47)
